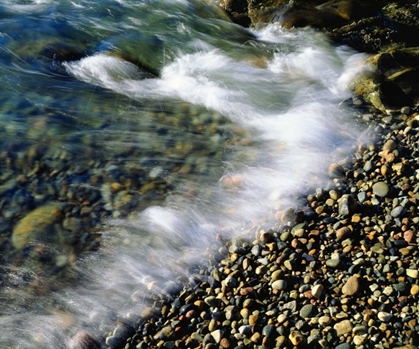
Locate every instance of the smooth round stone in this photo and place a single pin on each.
(317, 290)
(359, 340)
(388, 291)
(36, 223)
(285, 236)
(324, 320)
(245, 329)
(368, 166)
(389, 145)
(332, 263)
(397, 211)
(244, 313)
(276, 275)
(343, 327)
(414, 290)
(269, 331)
(281, 318)
(306, 311)
(384, 316)
(255, 337)
(343, 233)
(380, 189)
(412, 273)
(83, 340)
(351, 287)
(361, 196)
(279, 285)
(256, 250)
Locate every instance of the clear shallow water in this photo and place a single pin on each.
(207, 126)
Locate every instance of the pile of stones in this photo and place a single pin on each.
(341, 272)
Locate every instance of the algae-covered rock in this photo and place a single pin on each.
(392, 80)
(35, 224)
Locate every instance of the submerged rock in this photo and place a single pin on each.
(36, 224)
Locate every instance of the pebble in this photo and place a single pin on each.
(279, 285)
(343, 327)
(324, 320)
(359, 340)
(389, 146)
(333, 263)
(380, 189)
(397, 211)
(343, 233)
(413, 273)
(351, 286)
(36, 223)
(306, 311)
(317, 290)
(296, 338)
(302, 279)
(384, 316)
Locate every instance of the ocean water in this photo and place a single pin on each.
(196, 127)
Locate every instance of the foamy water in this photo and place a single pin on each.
(287, 99)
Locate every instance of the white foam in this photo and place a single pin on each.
(291, 110)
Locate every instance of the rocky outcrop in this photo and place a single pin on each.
(367, 26)
(388, 30)
(393, 80)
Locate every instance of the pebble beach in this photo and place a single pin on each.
(220, 174)
(341, 272)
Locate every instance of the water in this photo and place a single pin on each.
(152, 127)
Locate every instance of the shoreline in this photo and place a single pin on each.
(342, 274)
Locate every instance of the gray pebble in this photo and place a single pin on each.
(380, 189)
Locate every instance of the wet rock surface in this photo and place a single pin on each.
(368, 26)
(387, 30)
(56, 194)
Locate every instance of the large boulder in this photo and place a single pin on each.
(393, 80)
(367, 26)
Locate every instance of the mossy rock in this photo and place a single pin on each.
(392, 81)
(37, 224)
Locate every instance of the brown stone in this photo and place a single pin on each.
(246, 290)
(252, 319)
(409, 236)
(335, 170)
(296, 338)
(414, 290)
(343, 327)
(343, 233)
(351, 287)
(389, 146)
(83, 340)
(224, 343)
(35, 224)
(390, 158)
